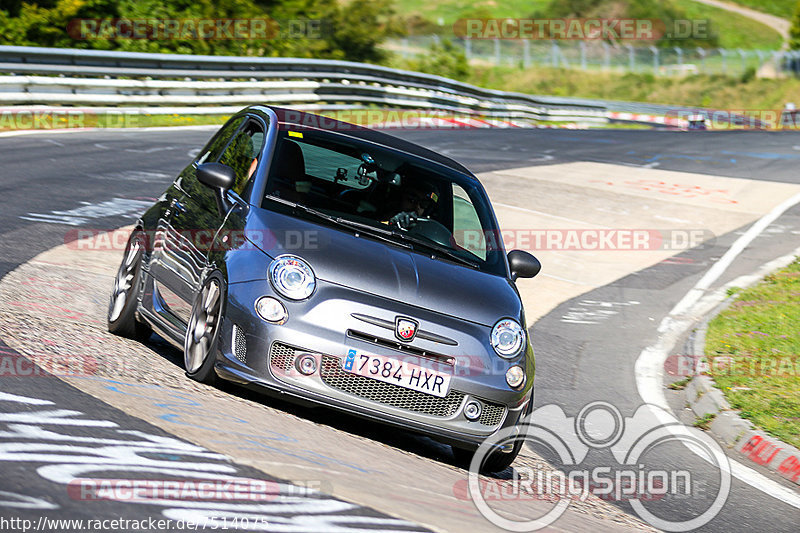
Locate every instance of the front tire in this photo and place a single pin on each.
(125, 297)
(202, 334)
(497, 461)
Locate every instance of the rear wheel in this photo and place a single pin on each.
(202, 334)
(127, 283)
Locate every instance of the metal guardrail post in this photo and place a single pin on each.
(702, 54)
(468, 48)
(606, 56)
(496, 51)
(679, 52)
(724, 54)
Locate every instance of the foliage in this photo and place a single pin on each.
(794, 32)
(444, 59)
(305, 28)
(664, 11)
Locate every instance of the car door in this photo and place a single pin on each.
(194, 219)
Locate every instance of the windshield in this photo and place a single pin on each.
(391, 195)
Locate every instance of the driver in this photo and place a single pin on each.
(416, 201)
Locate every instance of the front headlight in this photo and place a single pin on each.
(292, 277)
(508, 338)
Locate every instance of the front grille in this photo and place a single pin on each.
(281, 357)
(492, 414)
(386, 393)
(239, 344)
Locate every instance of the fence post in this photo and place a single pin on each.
(724, 54)
(777, 58)
(606, 56)
(679, 52)
(702, 54)
(496, 51)
(526, 53)
(553, 54)
(405, 47)
(582, 45)
(654, 50)
(631, 58)
(744, 59)
(468, 48)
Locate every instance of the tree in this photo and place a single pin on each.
(794, 32)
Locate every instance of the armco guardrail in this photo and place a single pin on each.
(54, 76)
(58, 77)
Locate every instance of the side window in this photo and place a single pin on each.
(217, 144)
(243, 153)
(199, 193)
(467, 229)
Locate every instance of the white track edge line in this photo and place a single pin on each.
(649, 365)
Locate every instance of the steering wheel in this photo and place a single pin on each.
(433, 230)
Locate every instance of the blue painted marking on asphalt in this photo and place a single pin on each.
(661, 157)
(589, 140)
(175, 419)
(763, 155)
(328, 460)
(175, 412)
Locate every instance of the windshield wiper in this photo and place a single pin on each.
(376, 232)
(439, 249)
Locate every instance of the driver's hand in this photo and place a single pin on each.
(404, 220)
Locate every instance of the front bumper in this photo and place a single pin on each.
(263, 355)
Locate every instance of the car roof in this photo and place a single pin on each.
(305, 120)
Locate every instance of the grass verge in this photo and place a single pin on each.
(752, 349)
(720, 92)
(65, 118)
(780, 8)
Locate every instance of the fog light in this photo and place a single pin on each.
(473, 410)
(515, 377)
(271, 310)
(307, 364)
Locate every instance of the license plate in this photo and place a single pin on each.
(400, 373)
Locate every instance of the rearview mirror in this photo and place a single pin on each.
(220, 178)
(523, 264)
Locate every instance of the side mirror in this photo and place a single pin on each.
(523, 264)
(220, 178)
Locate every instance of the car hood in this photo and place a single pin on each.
(364, 264)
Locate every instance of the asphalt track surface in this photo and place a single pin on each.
(576, 363)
